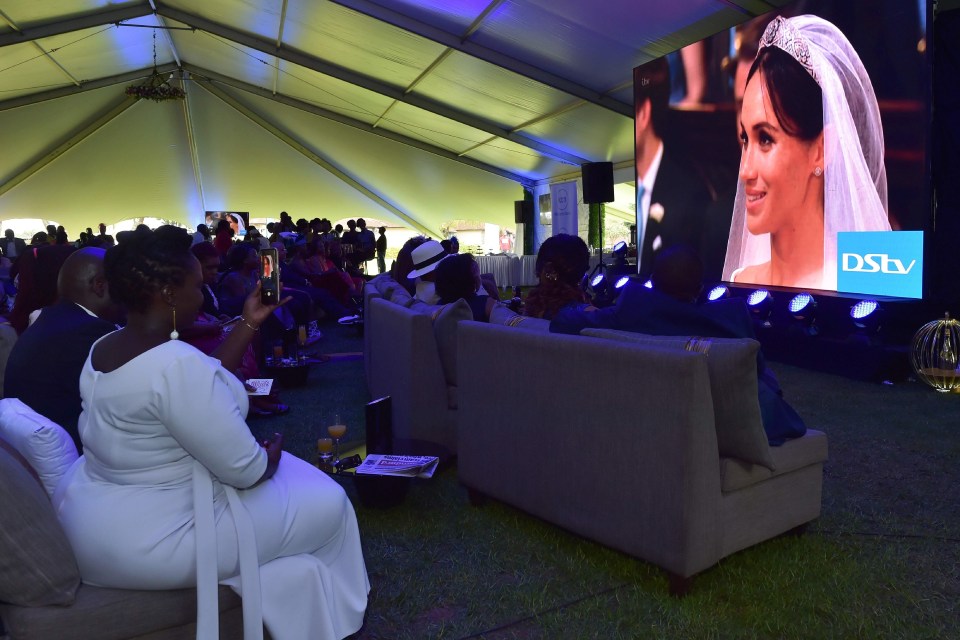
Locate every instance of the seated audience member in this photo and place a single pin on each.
(38, 270)
(174, 491)
(43, 370)
(562, 261)
(12, 246)
(425, 258)
(670, 309)
(458, 276)
(403, 265)
(208, 332)
(104, 239)
(305, 295)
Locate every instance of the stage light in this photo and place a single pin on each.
(758, 297)
(620, 249)
(761, 305)
(719, 291)
(802, 305)
(803, 308)
(622, 282)
(648, 284)
(596, 281)
(865, 314)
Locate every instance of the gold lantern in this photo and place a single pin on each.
(936, 348)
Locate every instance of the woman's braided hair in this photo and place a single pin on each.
(144, 261)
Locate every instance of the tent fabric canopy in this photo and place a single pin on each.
(413, 112)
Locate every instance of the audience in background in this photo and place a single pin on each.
(381, 250)
(403, 265)
(223, 238)
(458, 277)
(562, 262)
(425, 258)
(202, 234)
(44, 365)
(12, 247)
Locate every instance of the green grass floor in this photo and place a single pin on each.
(883, 561)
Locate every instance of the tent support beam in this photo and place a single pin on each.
(199, 73)
(299, 146)
(276, 68)
(192, 141)
(88, 85)
(73, 139)
(369, 8)
(366, 82)
(87, 21)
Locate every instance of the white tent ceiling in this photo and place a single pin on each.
(416, 112)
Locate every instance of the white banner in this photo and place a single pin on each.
(563, 197)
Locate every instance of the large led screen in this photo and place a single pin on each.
(767, 147)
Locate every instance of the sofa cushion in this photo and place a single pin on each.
(502, 314)
(732, 365)
(445, 319)
(37, 566)
(113, 614)
(46, 446)
(794, 454)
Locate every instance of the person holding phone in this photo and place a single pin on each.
(173, 491)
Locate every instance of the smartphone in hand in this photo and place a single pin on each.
(269, 277)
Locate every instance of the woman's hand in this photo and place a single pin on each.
(254, 311)
(274, 447)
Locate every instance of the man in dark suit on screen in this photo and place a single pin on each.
(44, 366)
(671, 196)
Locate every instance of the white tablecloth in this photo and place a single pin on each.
(503, 267)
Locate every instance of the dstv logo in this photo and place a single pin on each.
(874, 263)
(885, 263)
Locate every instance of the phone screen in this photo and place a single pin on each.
(269, 277)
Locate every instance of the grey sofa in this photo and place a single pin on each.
(639, 446)
(41, 597)
(410, 354)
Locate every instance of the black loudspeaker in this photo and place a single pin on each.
(597, 182)
(522, 211)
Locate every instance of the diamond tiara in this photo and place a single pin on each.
(780, 33)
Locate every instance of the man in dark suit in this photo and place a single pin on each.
(670, 309)
(43, 370)
(671, 195)
(12, 247)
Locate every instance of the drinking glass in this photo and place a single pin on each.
(325, 452)
(336, 431)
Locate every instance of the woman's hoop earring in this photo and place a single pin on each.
(174, 334)
(818, 172)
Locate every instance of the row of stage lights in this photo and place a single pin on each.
(803, 308)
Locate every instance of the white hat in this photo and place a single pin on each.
(425, 258)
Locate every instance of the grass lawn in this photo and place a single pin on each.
(883, 561)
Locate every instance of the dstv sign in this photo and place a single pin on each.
(885, 263)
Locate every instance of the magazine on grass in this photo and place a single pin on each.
(409, 466)
(261, 386)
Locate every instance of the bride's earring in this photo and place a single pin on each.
(174, 334)
(818, 172)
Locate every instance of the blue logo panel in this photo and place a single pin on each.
(882, 263)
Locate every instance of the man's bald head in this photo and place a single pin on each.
(82, 281)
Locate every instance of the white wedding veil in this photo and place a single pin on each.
(855, 181)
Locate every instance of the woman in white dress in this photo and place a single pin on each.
(812, 162)
(173, 490)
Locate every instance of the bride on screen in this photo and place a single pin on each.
(812, 160)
